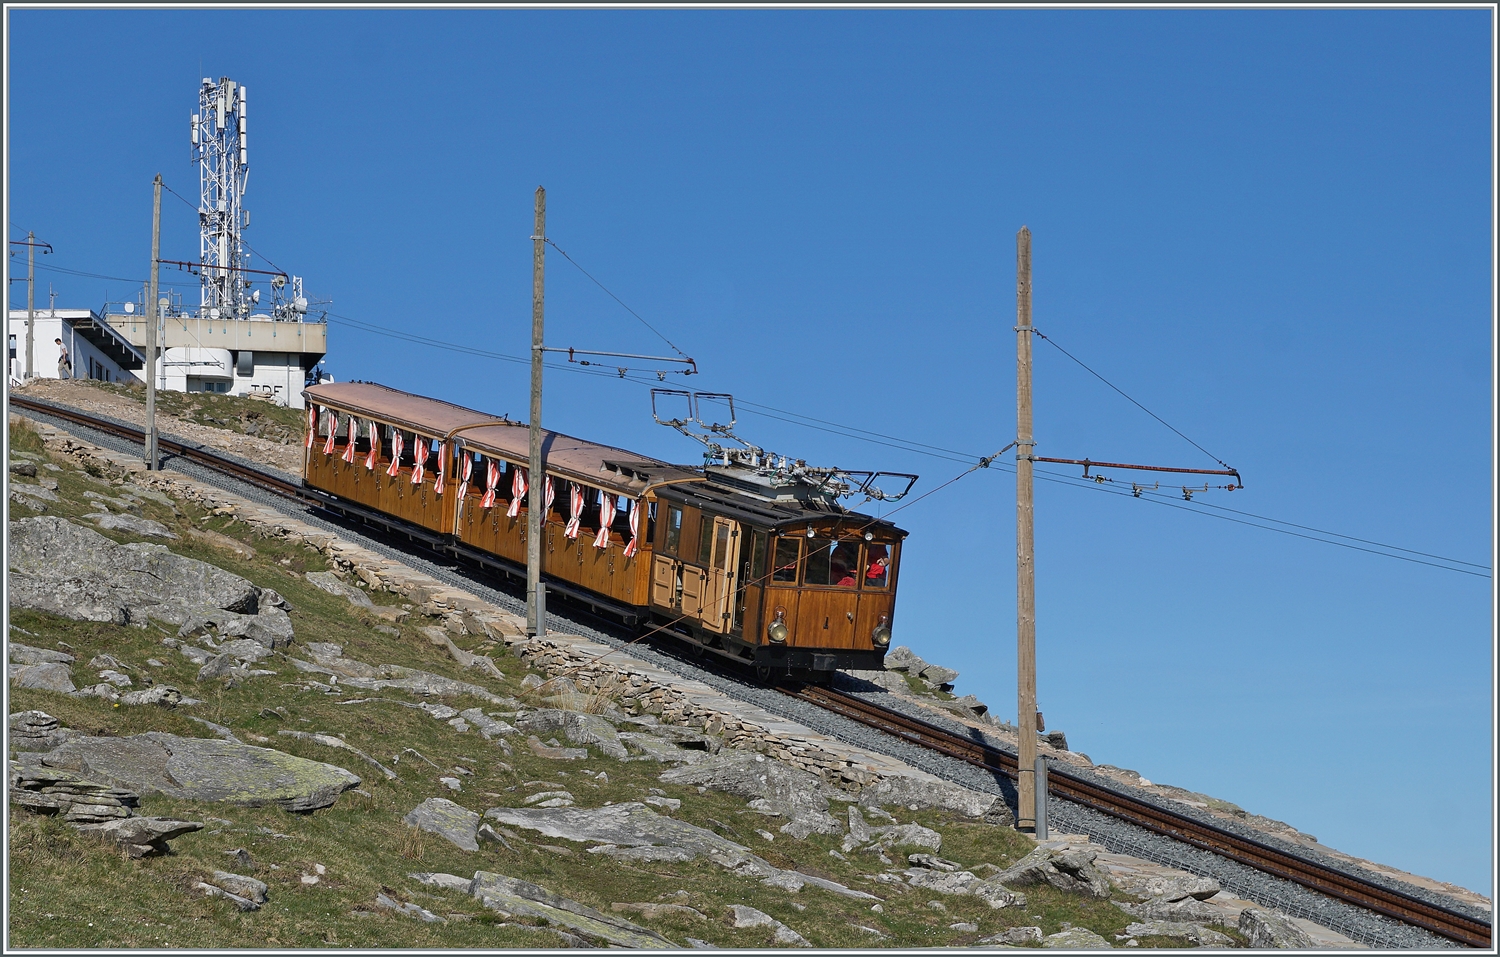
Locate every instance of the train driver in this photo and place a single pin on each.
(878, 567)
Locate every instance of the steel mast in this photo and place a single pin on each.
(219, 147)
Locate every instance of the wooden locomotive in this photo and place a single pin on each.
(740, 556)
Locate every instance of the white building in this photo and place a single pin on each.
(260, 356)
(96, 349)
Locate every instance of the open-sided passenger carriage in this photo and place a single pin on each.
(769, 572)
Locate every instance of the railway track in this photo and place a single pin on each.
(1449, 924)
(1345, 887)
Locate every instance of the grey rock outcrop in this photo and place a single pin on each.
(367, 677)
(1195, 934)
(937, 675)
(634, 832)
(914, 793)
(902, 658)
(27, 469)
(26, 655)
(452, 822)
(1270, 931)
(47, 676)
(967, 705)
(1169, 888)
(772, 786)
(141, 836)
(202, 769)
(36, 731)
(1187, 910)
(781, 933)
(1015, 936)
(515, 898)
(329, 582)
(52, 791)
(1070, 870)
(1076, 938)
(74, 572)
(383, 902)
(578, 727)
(246, 887)
(134, 524)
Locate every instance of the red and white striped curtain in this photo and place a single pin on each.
(468, 471)
(551, 493)
(348, 455)
(491, 482)
(420, 450)
(374, 446)
(442, 449)
(398, 445)
(575, 510)
(632, 546)
(312, 424)
(606, 518)
(333, 433)
(517, 492)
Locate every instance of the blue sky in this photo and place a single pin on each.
(1273, 228)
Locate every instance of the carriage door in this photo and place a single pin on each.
(718, 603)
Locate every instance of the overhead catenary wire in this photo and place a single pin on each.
(937, 452)
(616, 298)
(1043, 474)
(1122, 392)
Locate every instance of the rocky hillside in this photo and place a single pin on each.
(220, 736)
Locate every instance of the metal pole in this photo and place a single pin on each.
(30, 304)
(152, 309)
(536, 500)
(1041, 798)
(1025, 545)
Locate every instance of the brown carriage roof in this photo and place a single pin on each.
(602, 466)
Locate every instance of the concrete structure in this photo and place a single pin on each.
(260, 356)
(98, 351)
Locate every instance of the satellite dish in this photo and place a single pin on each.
(255, 296)
(129, 308)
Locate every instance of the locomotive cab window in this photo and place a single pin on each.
(788, 551)
(758, 558)
(877, 566)
(831, 562)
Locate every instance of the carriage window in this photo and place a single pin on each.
(705, 539)
(758, 558)
(877, 565)
(788, 550)
(408, 449)
(650, 529)
(674, 528)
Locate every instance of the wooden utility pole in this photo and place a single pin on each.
(536, 493)
(30, 303)
(152, 310)
(1025, 545)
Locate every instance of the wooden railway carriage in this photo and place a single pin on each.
(775, 574)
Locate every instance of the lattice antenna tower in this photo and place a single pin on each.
(219, 147)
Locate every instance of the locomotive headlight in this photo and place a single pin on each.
(777, 631)
(881, 636)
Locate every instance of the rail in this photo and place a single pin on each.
(1449, 924)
